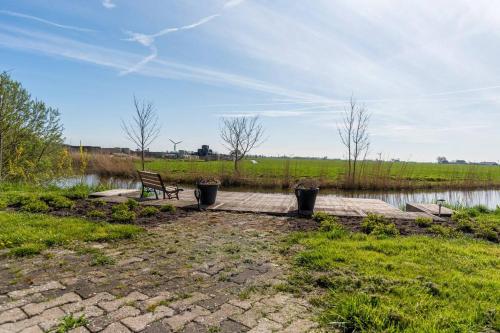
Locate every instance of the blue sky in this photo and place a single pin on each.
(428, 71)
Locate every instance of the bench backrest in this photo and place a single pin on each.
(152, 180)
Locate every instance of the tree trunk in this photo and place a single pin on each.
(236, 163)
(142, 159)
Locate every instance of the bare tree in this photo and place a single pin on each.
(144, 128)
(353, 132)
(240, 136)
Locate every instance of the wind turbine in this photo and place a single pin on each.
(175, 144)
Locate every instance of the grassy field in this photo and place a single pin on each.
(271, 172)
(382, 283)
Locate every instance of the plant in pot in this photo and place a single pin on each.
(206, 191)
(306, 191)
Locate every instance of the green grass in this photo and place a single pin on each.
(399, 284)
(376, 175)
(479, 221)
(27, 234)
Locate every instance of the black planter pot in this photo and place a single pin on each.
(206, 194)
(306, 199)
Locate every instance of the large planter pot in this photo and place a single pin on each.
(206, 194)
(306, 199)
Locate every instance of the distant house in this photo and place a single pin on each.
(460, 162)
(488, 163)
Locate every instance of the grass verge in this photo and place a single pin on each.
(27, 234)
(367, 283)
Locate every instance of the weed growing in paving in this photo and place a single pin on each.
(69, 322)
(27, 234)
(97, 257)
(411, 284)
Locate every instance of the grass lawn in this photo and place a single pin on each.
(399, 284)
(27, 234)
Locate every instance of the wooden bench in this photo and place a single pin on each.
(153, 181)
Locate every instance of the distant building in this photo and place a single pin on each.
(204, 151)
(442, 160)
(488, 163)
(87, 149)
(460, 162)
(115, 150)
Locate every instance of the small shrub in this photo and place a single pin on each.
(149, 211)
(371, 221)
(168, 208)
(3, 204)
(423, 222)
(488, 233)
(60, 202)
(96, 214)
(35, 206)
(330, 224)
(18, 200)
(119, 207)
(132, 204)
(385, 230)
(122, 215)
(460, 215)
(99, 203)
(440, 230)
(465, 225)
(320, 216)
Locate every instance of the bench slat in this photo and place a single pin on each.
(153, 180)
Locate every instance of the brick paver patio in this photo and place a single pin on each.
(205, 272)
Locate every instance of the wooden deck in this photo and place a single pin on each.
(277, 204)
(432, 209)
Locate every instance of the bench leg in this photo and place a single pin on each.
(156, 194)
(142, 192)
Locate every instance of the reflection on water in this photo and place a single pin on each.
(489, 198)
(94, 180)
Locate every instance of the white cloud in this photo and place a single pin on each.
(108, 4)
(55, 46)
(44, 21)
(232, 3)
(148, 41)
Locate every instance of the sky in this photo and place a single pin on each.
(427, 71)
